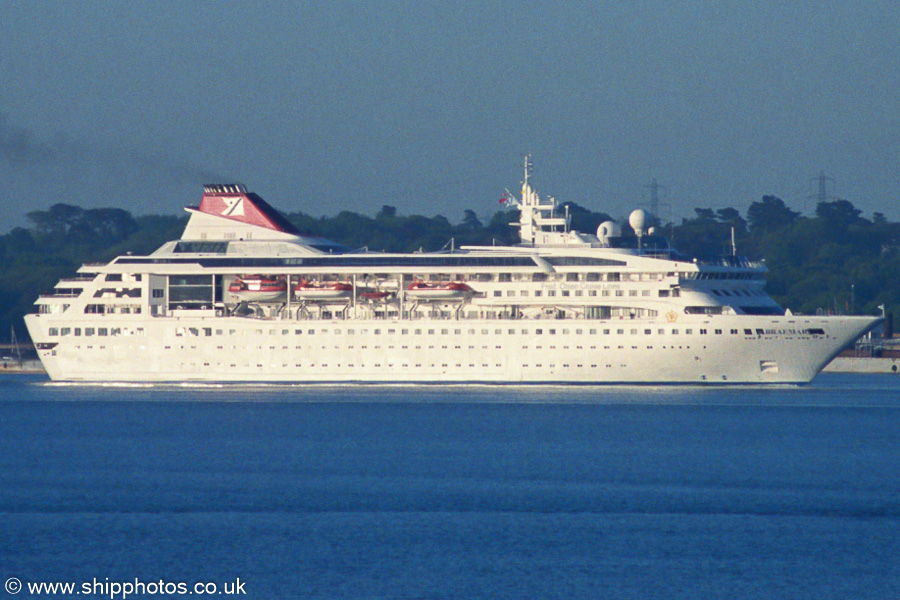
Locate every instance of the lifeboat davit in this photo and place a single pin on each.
(327, 290)
(258, 289)
(421, 290)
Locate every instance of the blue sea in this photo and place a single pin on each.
(469, 492)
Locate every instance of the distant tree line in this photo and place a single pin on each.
(834, 261)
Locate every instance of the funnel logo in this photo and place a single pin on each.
(234, 207)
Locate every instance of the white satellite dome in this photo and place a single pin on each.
(651, 231)
(609, 229)
(637, 219)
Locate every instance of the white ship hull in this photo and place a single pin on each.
(562, 307)
(246, 350)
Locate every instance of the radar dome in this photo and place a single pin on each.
(609, 229)
(637, 219)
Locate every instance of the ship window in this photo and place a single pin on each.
(504, 277)
(158, 293)
(65, 331)
(537, 293)
(539, 277)
(101, 331)
(703, 310)
(53, 331)
(197, 247)
(115, 331)
(816, 331)
(113, 277)
(565, 292)
(592, 277)
(702, 332)
(620, 331)
(538, 331)
(688, 331)
(571, 276)
(551, 292)
(619, 293)
(674, 332)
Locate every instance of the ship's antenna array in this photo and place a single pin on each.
(529, 167)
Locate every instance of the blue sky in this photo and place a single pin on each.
(429, 106)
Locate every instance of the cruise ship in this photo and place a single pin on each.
(244, 296)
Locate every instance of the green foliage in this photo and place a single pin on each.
(834, 261)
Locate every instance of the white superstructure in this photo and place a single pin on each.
(243, 296)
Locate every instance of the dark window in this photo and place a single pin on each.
(204, 247)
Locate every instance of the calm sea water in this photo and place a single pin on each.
(457, 492)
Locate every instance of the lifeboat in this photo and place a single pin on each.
(450, 290)
(326, 290)
(374, 296)
(258, 289)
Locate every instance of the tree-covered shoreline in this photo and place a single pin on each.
(835, 261)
